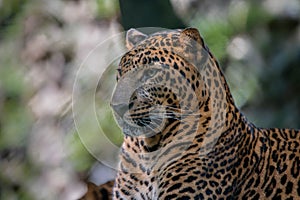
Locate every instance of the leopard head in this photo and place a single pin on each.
(168, 78)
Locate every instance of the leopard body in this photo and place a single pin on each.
(184, 137)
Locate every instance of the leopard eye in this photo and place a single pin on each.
(150, 73)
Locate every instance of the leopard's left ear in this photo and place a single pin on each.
(191, 35)
(133, 37)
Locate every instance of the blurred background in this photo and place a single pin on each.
(43, 43)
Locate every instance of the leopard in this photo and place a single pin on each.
(101, 192)
(184, 136)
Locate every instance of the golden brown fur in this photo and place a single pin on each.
(201, 146)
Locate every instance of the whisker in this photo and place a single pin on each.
(171, 115)
(178, 110)
(147, 125)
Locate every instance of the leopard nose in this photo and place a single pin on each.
(120, 109)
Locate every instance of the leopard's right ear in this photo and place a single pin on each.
(133, 37)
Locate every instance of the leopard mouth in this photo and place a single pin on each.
(142, 123)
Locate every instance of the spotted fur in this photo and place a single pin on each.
(184, 138)
(102, 192)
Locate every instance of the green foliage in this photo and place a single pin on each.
(9, 8)
(264, 81)
(15, 119)
(109, 126)
(79, 155)
(107, 8)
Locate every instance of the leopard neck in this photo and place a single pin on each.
(221, 122)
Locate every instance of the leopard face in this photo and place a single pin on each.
(152, 99)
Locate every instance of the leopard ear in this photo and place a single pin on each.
(133, 37)
(191, 35)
